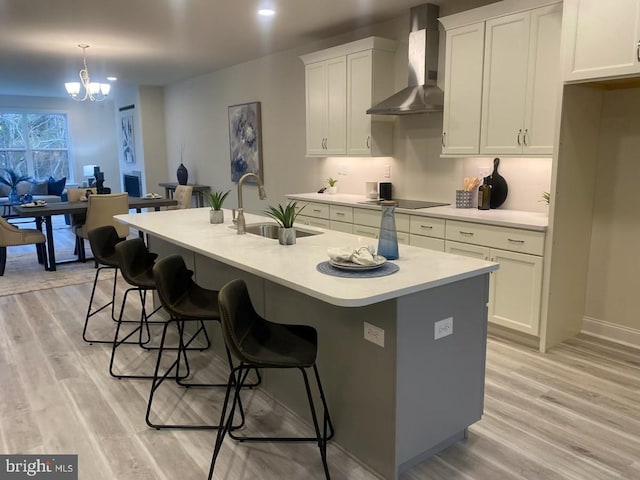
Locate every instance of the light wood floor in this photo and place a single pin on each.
(573, 413)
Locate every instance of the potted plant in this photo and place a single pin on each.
(12, 179)
(215, 200)
(285, 217)
(332, 185)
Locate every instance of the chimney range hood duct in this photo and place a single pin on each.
(422, 95)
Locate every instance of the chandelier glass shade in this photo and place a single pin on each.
(85, 89)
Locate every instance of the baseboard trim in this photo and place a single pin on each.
(611, 331)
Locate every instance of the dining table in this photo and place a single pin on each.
(43, 213)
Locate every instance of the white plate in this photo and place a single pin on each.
(354, 266)
(155, 197)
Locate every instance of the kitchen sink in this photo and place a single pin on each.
(270, 230)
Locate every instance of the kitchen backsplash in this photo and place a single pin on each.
(437, 179)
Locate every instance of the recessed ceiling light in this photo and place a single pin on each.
(266, 12)
(112, 79)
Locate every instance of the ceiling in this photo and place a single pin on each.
(158, 42)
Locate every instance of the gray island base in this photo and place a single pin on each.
(392, 406)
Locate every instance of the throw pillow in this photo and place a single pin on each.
(56, 186)
(40, 187)
(4, 190)
(23, 188)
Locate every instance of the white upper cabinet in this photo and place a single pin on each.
(326, 83)
(369, 81)
(602, 39)
(463, 90)
(521, 82)
(341, 84)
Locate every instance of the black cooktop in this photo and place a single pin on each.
(409, 204)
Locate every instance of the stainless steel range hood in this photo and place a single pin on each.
(422, 95)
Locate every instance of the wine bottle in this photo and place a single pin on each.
(484, 195)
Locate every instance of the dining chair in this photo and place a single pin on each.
(100, 212)
(183, 196)
(10, 236)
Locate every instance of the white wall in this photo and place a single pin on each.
(91, 132)
(196, 117)
(614, 268)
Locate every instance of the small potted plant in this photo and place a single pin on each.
(332, 185)
(285, 217)
(12, 179)
(215, 200)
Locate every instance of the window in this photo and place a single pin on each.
(35, 144)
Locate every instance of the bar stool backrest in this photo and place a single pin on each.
(238, 317)
(134, 259)
(103, 241)
(173, 280)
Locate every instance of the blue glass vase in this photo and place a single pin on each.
(14, 196)
(388, 238)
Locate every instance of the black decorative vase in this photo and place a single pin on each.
(183, 174)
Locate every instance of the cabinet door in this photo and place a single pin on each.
(315, 78)
(515, 291)
(467, 250)
(543, 80)
(336, 105)
(463, 90)
(359, 68)
(504, 84)
(602, 39)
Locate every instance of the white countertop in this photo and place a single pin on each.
(507, 218)
(294, 266)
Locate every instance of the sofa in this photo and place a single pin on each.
(49, 190)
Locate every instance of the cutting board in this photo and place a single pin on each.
(499, 187)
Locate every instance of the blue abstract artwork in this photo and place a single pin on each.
(245, 140)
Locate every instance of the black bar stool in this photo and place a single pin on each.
(258, 343)
(184, 301)
(103, 241)
(136, 264)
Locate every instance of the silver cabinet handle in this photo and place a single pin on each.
(317, 210)
(444, 136)
(519, 134)
(369, 141)
(467, 234)
(514, 240)
(426, 227)
(324, 143)
(340, 214)
(524, 137)
(638, 51)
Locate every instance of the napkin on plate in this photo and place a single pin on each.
(359, 255)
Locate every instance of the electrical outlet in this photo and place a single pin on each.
(374, 334)
(443, 328)
(343, 169)
(387, 171)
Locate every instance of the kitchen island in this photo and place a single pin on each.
(394, 402)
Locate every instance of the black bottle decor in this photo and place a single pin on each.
(183, 174)
(499, 188)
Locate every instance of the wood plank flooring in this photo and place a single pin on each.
(573, 413)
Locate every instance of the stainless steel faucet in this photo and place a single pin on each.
(261, 193)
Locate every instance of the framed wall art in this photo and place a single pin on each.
(245, 140)
(127, 139)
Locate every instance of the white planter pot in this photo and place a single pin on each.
(216, 216)
(332, 190)
(287, 236)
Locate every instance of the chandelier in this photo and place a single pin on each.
(93, 91)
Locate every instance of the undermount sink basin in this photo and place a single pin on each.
(270, 230)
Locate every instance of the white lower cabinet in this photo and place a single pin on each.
(313, 214)
(515, 288)
(515, 291)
